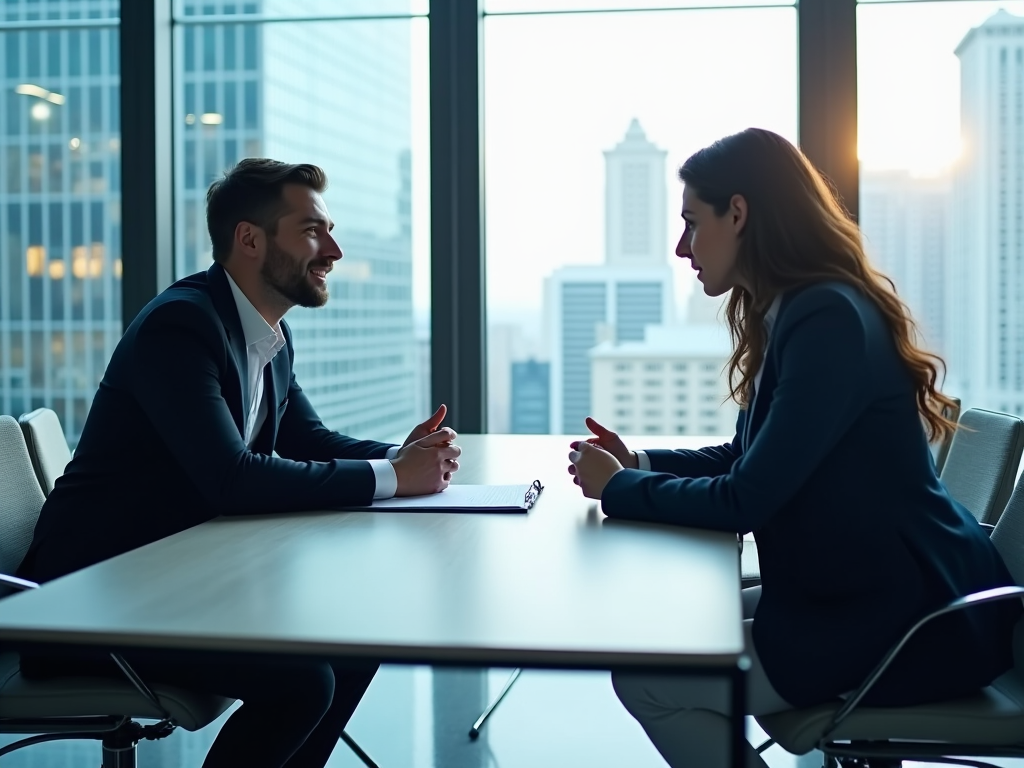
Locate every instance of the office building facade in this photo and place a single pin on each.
(905, 223)
(531, 398)
(985, 271)
(60, 258)
(669, 383)
(248, 90)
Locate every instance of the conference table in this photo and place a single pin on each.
(558, 587)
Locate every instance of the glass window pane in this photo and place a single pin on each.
(297, 9)
(583, 139)
(60, 290)
(362, 118)
(941, 145)
(550, 6)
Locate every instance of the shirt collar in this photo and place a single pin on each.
(771, 314)
(254, 326)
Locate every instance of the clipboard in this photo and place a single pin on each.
(502, 499)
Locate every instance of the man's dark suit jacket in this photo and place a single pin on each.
(162, 449)
(856, 536)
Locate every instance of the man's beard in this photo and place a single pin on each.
(284, 274)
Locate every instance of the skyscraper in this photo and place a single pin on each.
(905, 223)
(60, 253)
(249, 90)
(985, 275)
(614, 301)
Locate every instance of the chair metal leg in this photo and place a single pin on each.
(474, 732)
(351, 744)
(120, 746)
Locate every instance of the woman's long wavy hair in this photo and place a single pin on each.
(797, 233)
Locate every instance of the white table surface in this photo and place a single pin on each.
(560, 586)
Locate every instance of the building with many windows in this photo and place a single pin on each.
(60, 173)
(986, 316)
(531, 398)
(669, 383)
(905, 222)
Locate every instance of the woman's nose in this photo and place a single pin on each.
(683, 247)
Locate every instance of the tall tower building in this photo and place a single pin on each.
(615, 301)
(248, 90)
(905, 222)
(60, 208)
(985, 276)
(635, 201)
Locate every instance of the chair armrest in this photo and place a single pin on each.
(968, 601)
(16, 583)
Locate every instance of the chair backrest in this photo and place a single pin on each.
(942, 447)
(46, 446)
(21, 498)
(1008, 535)
(982, 463)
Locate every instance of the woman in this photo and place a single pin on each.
(830, 466)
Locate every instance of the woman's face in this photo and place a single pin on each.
(711, 242)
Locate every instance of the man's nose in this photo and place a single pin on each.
(331, 249)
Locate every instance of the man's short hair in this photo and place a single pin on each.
(252, 191)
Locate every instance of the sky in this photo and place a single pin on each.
(559, 90)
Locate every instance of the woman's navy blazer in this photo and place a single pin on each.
(856, 536)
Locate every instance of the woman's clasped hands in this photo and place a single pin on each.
(597, 458)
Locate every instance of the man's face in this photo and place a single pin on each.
(299, 257)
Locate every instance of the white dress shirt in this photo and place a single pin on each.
(262, 343)
(644, 461)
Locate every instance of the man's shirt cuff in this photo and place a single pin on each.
(384, 474)
(643, 461)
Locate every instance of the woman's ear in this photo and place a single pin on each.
(738, 213)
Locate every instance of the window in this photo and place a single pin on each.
(937, 130)
(60, 255)
(248, 89)
(597, 106)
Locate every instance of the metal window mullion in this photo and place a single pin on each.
(458, 316)
(146, 152)
(827, 42)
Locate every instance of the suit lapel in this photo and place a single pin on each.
(769, 378)
(224, 302)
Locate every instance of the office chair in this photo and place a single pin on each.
(48, 454)
(75, 708)
(987, 724)
(47, 447)
(982, 462)
(941, 448)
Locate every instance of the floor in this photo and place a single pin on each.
(414, 717)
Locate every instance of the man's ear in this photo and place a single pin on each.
(738, 213)
(248, 239)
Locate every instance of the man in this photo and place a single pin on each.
(198, 396)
